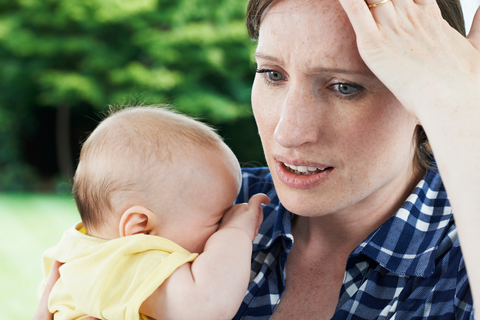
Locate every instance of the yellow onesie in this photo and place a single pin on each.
(109, 279)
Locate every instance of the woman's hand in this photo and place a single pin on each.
(415, 53)
(42, 312)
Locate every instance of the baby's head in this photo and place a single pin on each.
(151, 170)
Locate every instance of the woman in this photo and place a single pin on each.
(319, 103)
(350, 104)
(341, 95)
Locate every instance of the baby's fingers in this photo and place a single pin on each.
(258, 199)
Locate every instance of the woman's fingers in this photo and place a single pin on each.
(360, 16)
(416, 54)
(383, 11)
(42, 312)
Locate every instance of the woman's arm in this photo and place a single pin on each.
(213, 286)
(435, 73)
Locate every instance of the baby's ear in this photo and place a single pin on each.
(135, 220)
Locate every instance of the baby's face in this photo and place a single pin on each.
(204, 185)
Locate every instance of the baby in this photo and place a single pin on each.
(160, 236)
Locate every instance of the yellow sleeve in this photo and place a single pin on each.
(113, 282)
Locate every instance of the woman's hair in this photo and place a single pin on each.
(129, 153)
(451, 12)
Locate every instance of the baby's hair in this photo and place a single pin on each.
(124, 157)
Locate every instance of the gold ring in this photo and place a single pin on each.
(376, 4)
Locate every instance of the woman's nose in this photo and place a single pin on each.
(299, 122)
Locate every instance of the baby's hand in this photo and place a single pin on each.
(246, 216)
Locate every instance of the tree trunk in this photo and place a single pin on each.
(64, 157)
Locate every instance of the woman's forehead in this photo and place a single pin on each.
(308, 30)
(329, 11)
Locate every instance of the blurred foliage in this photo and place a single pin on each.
(194, 54)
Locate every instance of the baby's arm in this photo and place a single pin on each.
(213, 286)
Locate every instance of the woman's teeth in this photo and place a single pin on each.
(303, 170)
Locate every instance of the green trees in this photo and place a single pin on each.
(67, 54)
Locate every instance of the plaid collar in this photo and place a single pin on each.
(282, 227)
(407, 243)
(422, 221)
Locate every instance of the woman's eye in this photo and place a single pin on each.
(272, 75)
(347, 89)
(275, 75)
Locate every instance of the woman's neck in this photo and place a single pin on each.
(343, 231)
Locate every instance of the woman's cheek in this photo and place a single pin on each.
(265, 110)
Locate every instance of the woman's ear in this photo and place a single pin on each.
(135, 220)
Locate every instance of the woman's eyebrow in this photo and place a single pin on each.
(267, 57)
(263, 56)
(367, 73)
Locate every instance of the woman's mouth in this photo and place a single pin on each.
(302, 176)
(303, 170)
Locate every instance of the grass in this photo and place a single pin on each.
(30, 224)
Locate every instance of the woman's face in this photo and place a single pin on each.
(319, 109)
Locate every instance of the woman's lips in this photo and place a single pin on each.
(301, 177)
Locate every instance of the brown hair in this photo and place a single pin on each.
(451, 11)
(124, 156)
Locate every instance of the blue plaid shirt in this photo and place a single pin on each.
(409, 268)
